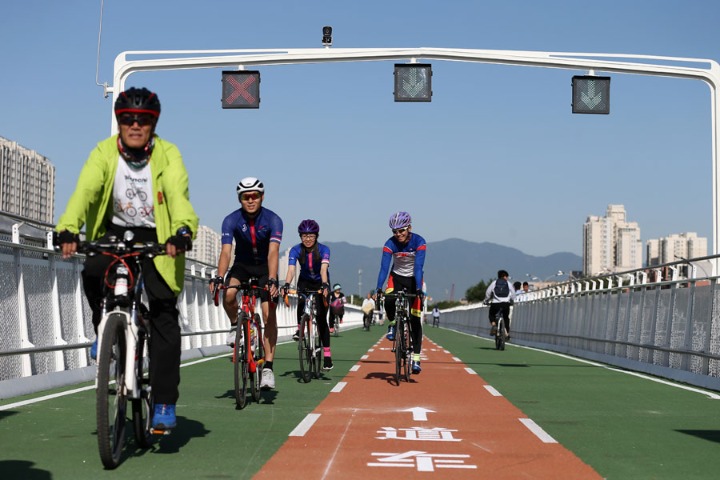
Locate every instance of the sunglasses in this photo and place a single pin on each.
(142, 119)
(399, 230)
(249, 196)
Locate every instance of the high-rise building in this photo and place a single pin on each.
(611, 243)
(676, 246)
(206, 246)
(27, 183)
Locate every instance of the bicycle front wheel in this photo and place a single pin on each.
(500, 336)
(407, 345)
(317, 349)
(399, 349)
(241, 364)
(142, 407)
(304, 349)
(259, 356)
(110, 393)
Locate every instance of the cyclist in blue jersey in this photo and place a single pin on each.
(257, 232)
(406, 251)
(314, 260)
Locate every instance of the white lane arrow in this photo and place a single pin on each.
(419, 413)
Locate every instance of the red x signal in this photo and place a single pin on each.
(241, 89)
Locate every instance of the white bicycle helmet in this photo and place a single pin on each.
(250, 184)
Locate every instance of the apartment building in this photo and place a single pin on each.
(206, 246)
(27, 183)
(611, 243)
(675, 247)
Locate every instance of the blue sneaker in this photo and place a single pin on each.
(391, 333)
(416, 367)
(164, 416)
(93, 350)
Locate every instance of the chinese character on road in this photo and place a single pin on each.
(418, 433)
(422, 461)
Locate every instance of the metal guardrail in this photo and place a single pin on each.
(46, 326)
(667, 328)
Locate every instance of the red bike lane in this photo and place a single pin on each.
(446, 423)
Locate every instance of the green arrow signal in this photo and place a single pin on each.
(591, 99)
(413, 85)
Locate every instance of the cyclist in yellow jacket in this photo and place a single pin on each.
(137, 181)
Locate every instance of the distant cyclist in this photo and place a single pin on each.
(337, 306)
(314, 260)
(119, 180)
(500, 295)
(406, 251)
(257, 232)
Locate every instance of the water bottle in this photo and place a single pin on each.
(121, 281)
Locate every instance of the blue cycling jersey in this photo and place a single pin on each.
(252, 235)
(407, 259)
(310, 268)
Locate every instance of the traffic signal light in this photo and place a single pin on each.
(590, 94)
(413, 82)
(241, 89)
(327, 36)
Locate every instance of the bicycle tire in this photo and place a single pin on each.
(111, 400)
(317, 350)
(259, 356)
(241, 366)
(500, 336)
(399, 349)
(142, 407)
(304, 349)
(407, 359)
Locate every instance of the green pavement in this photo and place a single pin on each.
(625, 427)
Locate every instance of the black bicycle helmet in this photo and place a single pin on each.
(308, 226)
(137, 100)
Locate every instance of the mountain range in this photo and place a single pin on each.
(451, 266)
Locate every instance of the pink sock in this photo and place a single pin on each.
(326, 351)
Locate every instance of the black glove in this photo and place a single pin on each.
(272, 282)
(325, 286)
(65, 236)
(217, 281)
(285, 289)
(181, 242)
(421, 296)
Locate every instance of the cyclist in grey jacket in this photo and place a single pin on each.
(500, 295)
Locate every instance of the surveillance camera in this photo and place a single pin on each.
(327, 36)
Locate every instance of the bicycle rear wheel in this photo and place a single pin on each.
(110, 393)
(304, 349)
(142, 407)
(500, 335)
(259, 356)
(241, 365)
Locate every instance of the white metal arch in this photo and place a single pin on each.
(677, 67)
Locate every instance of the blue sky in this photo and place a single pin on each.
(496, 156)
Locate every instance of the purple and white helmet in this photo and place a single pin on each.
(400, 220)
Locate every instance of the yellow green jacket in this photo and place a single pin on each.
(92, 198)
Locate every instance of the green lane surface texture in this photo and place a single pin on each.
(624, 426)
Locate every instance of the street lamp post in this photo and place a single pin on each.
(360, 284)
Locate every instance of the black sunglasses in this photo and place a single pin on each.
(142, 119)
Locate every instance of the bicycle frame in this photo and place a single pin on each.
(309, 343)
(134, 322)
(247, 367)
(402, 345)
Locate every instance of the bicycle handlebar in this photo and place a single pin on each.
(248, 285)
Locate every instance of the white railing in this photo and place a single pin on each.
(45, 320)
(636, 320)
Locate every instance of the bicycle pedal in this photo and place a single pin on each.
(157, 431)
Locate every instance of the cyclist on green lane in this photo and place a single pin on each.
(137, 181)
(406, 251)
(337, 307)
(500, 295)
(314, 260)
(257, 232)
